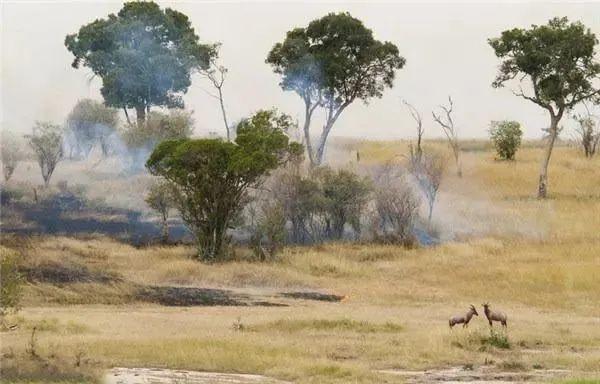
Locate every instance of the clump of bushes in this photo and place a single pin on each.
(496, 339)
(506, 137)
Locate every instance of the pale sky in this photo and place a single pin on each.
(444, 43)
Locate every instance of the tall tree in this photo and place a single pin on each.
(144, 55)
(558, 61)
(330, 64)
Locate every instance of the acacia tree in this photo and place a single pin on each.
(144, 55)
(212, 176)
(558, 61)
(46, 141)
(330, 64)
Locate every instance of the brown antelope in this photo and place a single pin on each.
(463, 319)
(494, 315)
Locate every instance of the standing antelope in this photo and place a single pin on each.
(463, 319)
(494, 315)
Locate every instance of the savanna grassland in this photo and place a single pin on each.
(539, 261)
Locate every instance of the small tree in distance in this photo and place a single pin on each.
(587, 134)
(558, 59)
(90, 123)
(11, 152)
(212, 176)
(506, 137)
(46, 141)
(160, 198)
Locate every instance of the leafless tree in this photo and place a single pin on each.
(587, 134)
(217, 74)
(449, 129)
(429, 176)
(394, 206)
(415, 152)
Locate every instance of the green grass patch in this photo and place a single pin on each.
(347, 325)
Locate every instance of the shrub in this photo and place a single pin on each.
(90, 123)
(587, 135)
(496, 339)
(11, 152)
(506, 137)
(345, 196)
(395, 208)
(11, 281)
(177, 124)
(212, 177)
(46, 141)
(268, 230)
(161, 198)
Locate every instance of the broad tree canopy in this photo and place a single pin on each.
(557, 58)
(144, 55)
(330, 64)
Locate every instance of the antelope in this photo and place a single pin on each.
(494, 315)
(463, 319)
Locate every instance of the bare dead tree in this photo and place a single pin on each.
(447, 125)
(415, 153)
(394, 206)
(429, 176)
(587, 134)
(217, 74)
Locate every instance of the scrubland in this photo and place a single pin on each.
(539, 261)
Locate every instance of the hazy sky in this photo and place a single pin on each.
(445, 45)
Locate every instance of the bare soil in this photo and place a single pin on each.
(481, 375)
(169, 376)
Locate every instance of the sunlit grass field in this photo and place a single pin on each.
(538, 261)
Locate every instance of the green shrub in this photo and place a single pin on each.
(496, 339)
(506, 137)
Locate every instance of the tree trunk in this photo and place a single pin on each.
(165, 229)
(322, 141)
(458, 164)
(307, 117)
(543, 181)
(224, 113)
(140, 112)
(326, 129)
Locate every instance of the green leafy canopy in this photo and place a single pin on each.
(337, 55)
(558, 58)
(143, 54)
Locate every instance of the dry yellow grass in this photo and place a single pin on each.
(540, 263)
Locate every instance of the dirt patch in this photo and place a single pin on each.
(191, 296)
(313, 296)
(65, 273)
(481, 375)
(168, 376)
